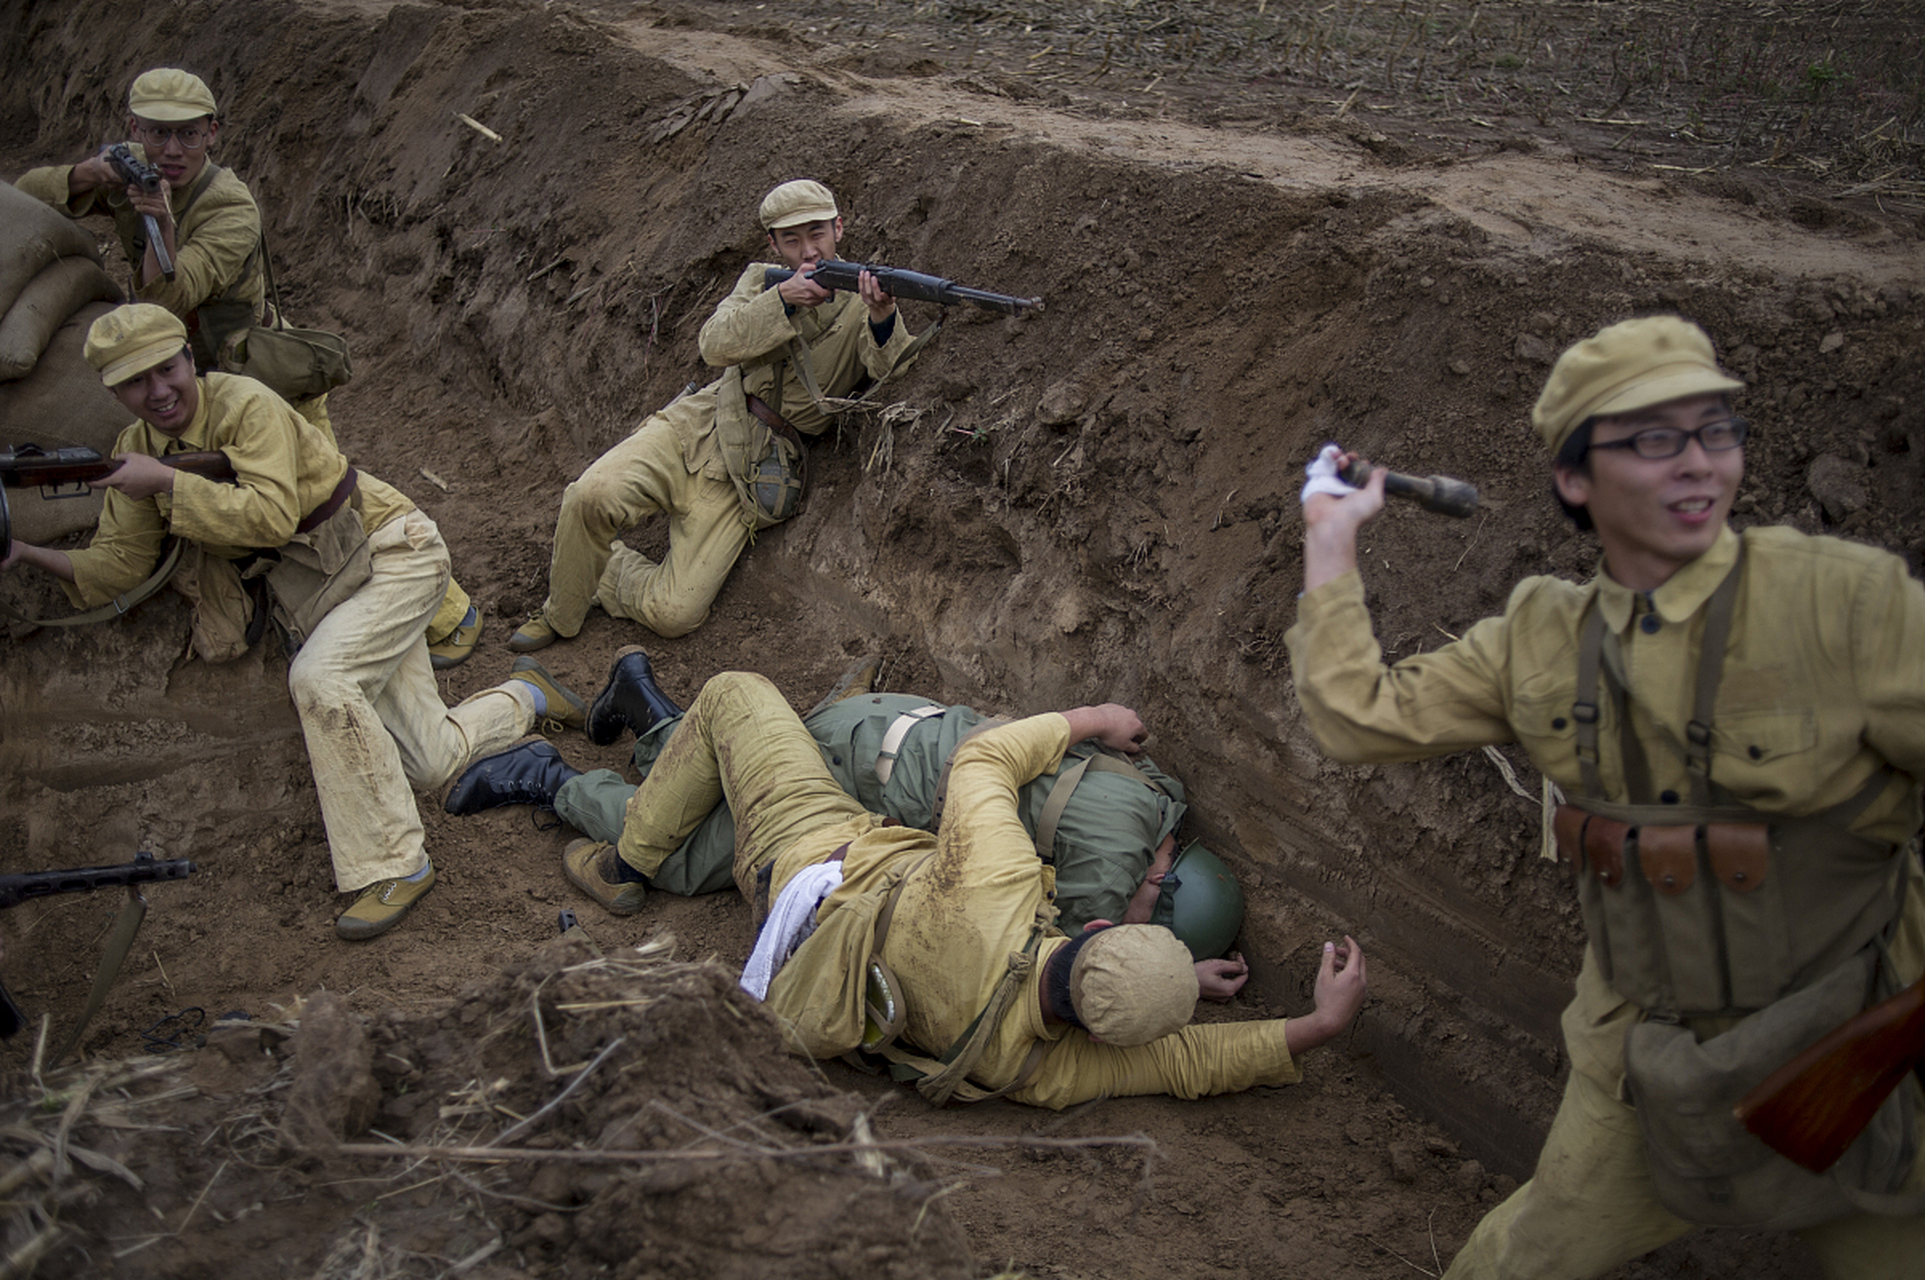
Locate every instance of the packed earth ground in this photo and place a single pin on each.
(1257, 226)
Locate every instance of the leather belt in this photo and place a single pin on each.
(769, 417)
(898, 731)
(325, 512)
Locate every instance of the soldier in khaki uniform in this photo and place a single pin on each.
(352, 572)
(211, 230)
(783, 351)
(972, 928)
(1768, 782)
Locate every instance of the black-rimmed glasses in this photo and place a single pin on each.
(1669, 442)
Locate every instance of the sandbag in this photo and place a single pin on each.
(62, 402)
(62, 287)
(32, 234)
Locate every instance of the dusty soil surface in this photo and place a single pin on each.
(1257, 228)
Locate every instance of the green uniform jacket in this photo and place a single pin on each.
(1104, 841)
(965, 910)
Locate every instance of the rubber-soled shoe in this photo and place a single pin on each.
(584, 862)
(631, 700)
(458, 645)
(530, 772)
(533, 634)
(381, 906)
(859, 679)
(562, 704)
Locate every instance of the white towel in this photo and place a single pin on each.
(791, 921)
(1323, 475)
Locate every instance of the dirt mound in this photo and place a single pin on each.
(1241, 259)
(621, 1115)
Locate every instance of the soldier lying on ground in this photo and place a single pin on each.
(939, 952)
(1106, 824)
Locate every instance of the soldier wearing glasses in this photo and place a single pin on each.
(212, 233)
(1742, 813)
(206, 215)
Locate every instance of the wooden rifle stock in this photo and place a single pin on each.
(28, 466)
(1814, 1107)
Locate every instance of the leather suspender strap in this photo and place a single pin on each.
(1717, 632)
(1599, 653)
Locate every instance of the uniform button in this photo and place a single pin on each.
(1650, 624)
(1669, 797)
(835, 759)
(1558, 723)
(1757, 753)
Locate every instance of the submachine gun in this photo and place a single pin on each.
(136, 172)
(27, 885)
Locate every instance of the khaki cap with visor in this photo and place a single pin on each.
(130, 340)
(794, 203)
(1629, 366)
(1133, 983)
(168, 94)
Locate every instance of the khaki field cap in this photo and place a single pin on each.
(794, 203)
(1631, 365)
(133, 339)
(167, 94)
(1133, 983)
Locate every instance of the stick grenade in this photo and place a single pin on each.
(1441, 494)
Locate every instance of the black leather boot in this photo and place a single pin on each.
(630, 701)
(530, 772)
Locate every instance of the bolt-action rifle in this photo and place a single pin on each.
(913, 285)
(26, 885)
(136, 172)
(66, 473)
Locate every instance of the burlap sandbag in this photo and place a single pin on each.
(62, 402)
(32, 234)
(63, 287)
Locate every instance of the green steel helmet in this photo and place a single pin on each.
(1201, 902)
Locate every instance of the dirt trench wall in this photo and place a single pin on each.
(1095, 502)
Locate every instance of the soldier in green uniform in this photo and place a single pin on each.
(1106, 823)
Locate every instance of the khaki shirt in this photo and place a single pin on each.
(215, 239)
(1824, 686)
(285, 468)
(965, 910)
(752, 328)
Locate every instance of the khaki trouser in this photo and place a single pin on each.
(455, 602)
(1590, 1205)
(741, 740)
(642, 476)
(376, 728)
